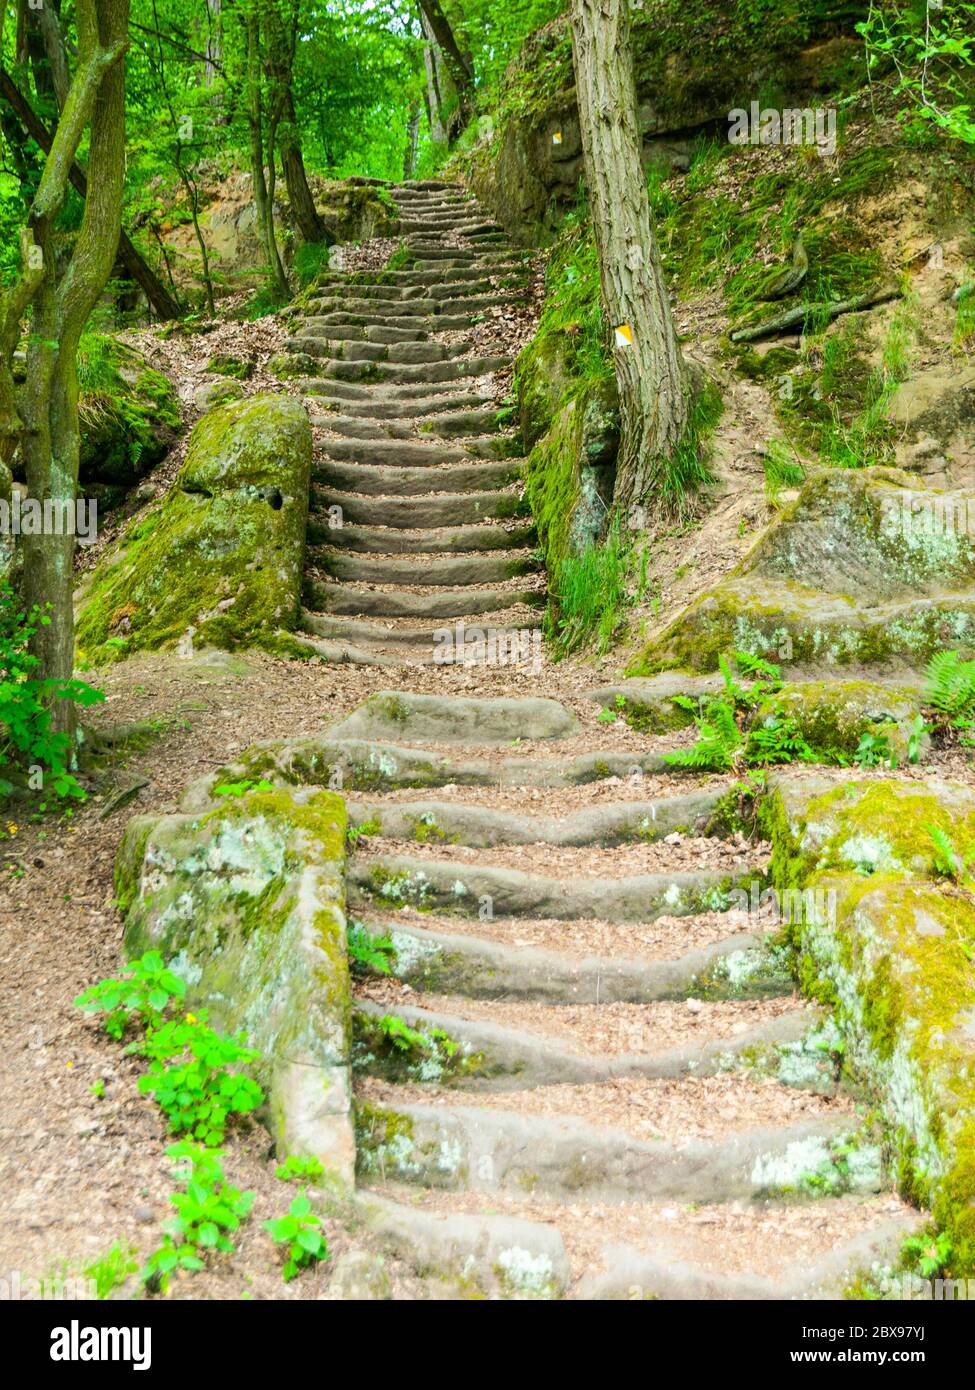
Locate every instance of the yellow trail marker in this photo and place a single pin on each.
(624, 335)
(557, 138)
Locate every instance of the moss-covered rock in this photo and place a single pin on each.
(354, 210)
(863, 568)
(128, 412)
(891, 948)
(570, 476)
(222, 555)
(246, 902)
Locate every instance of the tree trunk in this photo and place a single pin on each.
(434, 97)
(649, 370)
(412, 141)
(255, 119)
(162, 302)
(458, 64)
(282, 38)
(61, 306)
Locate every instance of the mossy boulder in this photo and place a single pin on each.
(355, 210)
(246, 902)
(863, 568)
(221, 557)
(890, 946)
(129, 413)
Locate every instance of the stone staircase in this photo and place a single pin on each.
(416, 517)
(588, 1074)
(607, 1087)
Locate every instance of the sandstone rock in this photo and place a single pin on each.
(221, 556)
(247, 904)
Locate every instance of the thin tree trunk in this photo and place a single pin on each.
(61, 306)
(412, 141)
(459, 64)
(164, 304)
(434, 97)
(282, 40)
(255, 119)
(649, 370)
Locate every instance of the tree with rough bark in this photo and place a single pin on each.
(653, 383)
(437, 28)
(282, 20)
(60, 292)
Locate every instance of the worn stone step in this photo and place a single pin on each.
(494, 1056)
(434, 603)
(355, 350)
(321, 326)
(390, 481)
(464, 1148)
(415, 409)
(455, 274)
(408, 450)
(410, 512)
(440, 570)
(385, 540)
(452, 370)
(451, 962)
(376, 636)
(371, 317)
(483, 826)
(457, 719)
(450, 886)
(371, 765)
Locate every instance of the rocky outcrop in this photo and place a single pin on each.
(864, 568)
(886, 943)
(528, 165)
(220, 559)
(246, 902)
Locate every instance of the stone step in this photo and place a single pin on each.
(403, 313)
(451, 275)
(466, 1148)
(375, 636)
(322, 344)
(408, 513)
(455, 719)
(391, 481)
(490, 1054)
(458, 370)
(434, 956)
(352, 413)
(434, 603)
(652, 1251)
(385, 540)
(367, 316)
(483, 826)
(320, 326)
(408, 450)
(441, 570)
(460, 887)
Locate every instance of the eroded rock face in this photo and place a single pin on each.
(246, 902)
(128, 412)
(528, 172)
(882, 938)
(220, 558)
(865, 568)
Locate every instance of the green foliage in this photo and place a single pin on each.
(236, 789)
(300, 1232)
(687, 471)
(300, 1168)
(949, 685)
(592, 595)
(111, 1270)
(932, 49)
(874, 750)
(929, 1253)
(782, 470)
(189, 1075)
(208, 1211)
(432, 1043)
(26, 736)
(950, 862)
(143, 996)
(369, 953)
